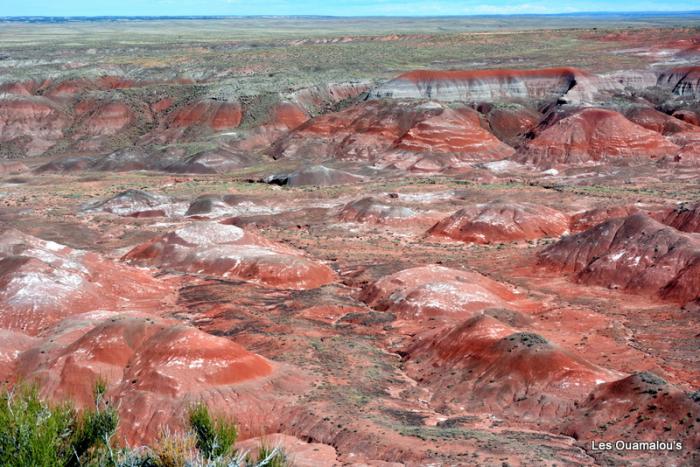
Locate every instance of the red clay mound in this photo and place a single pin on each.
(12, 344)
(377, 129)
(87, 114)
(223, 159)
(436, 290)
(102, 119)
(634, 253)
(217, 204)
(288, 115)
(42, 282)
(30, 126)
(117, 82)
(687, 116)
(12, 168)
(182, 365)
(684, 134)
(484, 364)
(81, 349)
(69, 164)
(652, 119)
(153, 368)
(318, 98)
(216, 115)
(131, 203)
(500, 221)
(125, 160)
(495, 85)
(181, 359)
(362, 132)
(193, 120)
(70, 87)
(684, 217)
(26, 88)
(591, 135)
(510, 124)
(589, 219)
(372, 210)
(67, 89)
(641, 408)
(227, 251)
(682, 81)
(454, 131)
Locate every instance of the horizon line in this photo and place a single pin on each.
(461, 15)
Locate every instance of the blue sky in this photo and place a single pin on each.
(325, 7)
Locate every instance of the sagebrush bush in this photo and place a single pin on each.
(35, 433)
(215, 437)
(31, 433)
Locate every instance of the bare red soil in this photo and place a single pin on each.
(364, 131)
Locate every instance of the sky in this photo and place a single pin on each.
(327, 7)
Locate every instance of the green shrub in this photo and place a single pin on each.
(32, 433)
(94, 430)
(35, 433)
(215, 437)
